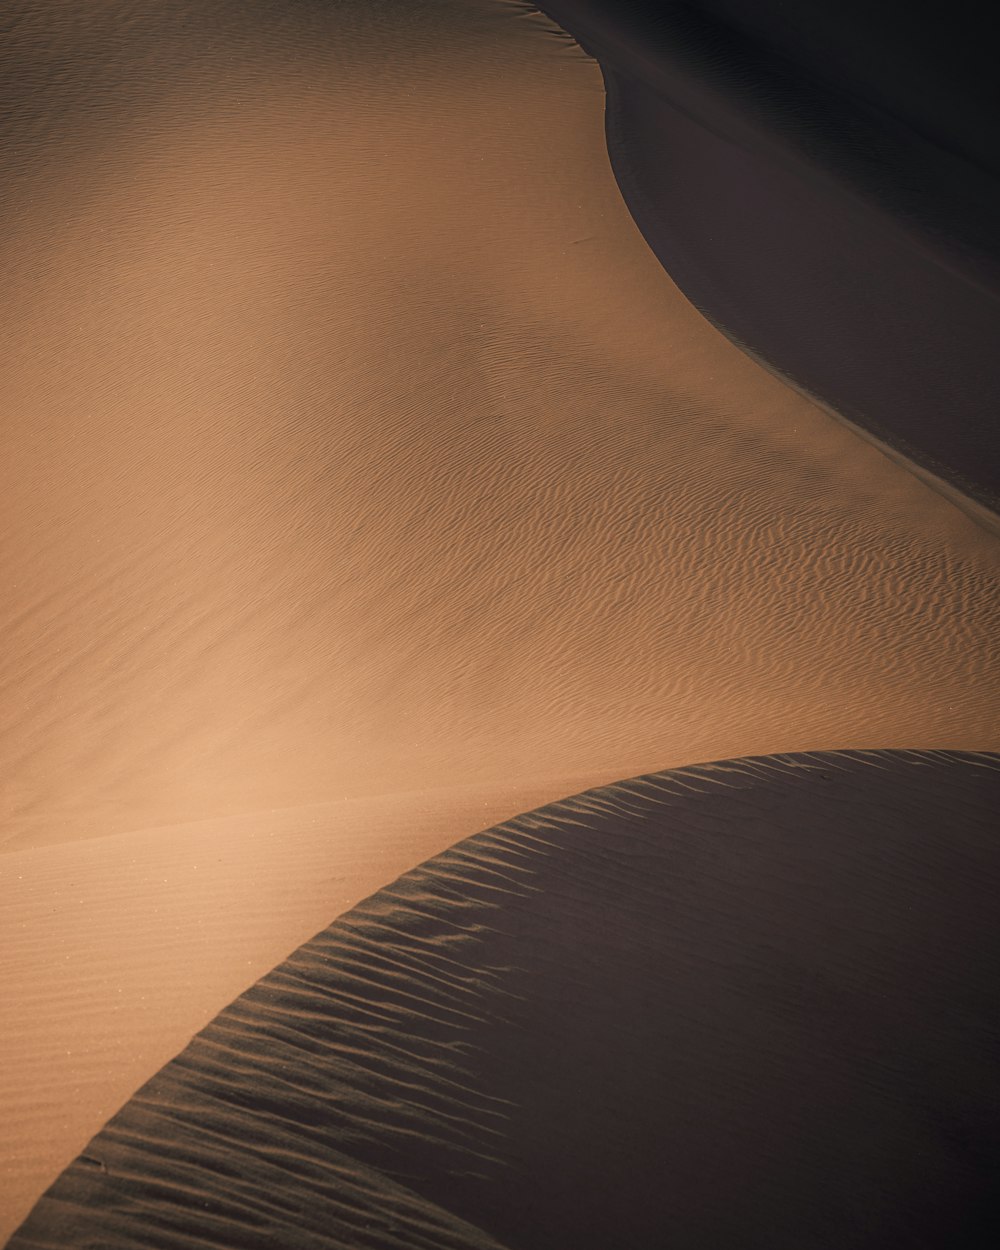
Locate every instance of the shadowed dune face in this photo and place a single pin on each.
(353, 440)
(825, 184)
(115, 951)
(740, 1004)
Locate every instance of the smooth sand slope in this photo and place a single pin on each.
(352, 441)
(747, 1004)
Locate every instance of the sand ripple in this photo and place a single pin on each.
(353, 441)
(749, 1003)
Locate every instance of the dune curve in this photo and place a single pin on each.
(114, 951)
(353, 442)
(824, 183)
(748, 1003)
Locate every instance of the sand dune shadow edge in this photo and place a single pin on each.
(747, 1003)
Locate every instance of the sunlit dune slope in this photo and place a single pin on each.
(353, 440)
(748, 1004)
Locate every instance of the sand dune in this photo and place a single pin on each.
(353, 441)
(115, 951)
(741, 1004)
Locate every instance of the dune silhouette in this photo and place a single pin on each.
(748, 1003)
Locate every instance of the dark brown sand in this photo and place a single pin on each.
(824, 182)
(352, 441)
(746, 1004)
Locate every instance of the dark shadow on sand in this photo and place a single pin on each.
(823, 182)
(750, 1004)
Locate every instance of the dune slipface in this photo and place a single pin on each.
(749, 1003)
(824, 182)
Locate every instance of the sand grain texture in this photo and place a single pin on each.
(354, 441)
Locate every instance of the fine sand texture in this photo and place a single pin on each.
(824, 182)
(745, 1004)
(364, 479)
(355, 441)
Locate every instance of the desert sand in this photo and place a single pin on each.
(116, 950)
(365, 481)
(746, 1004)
